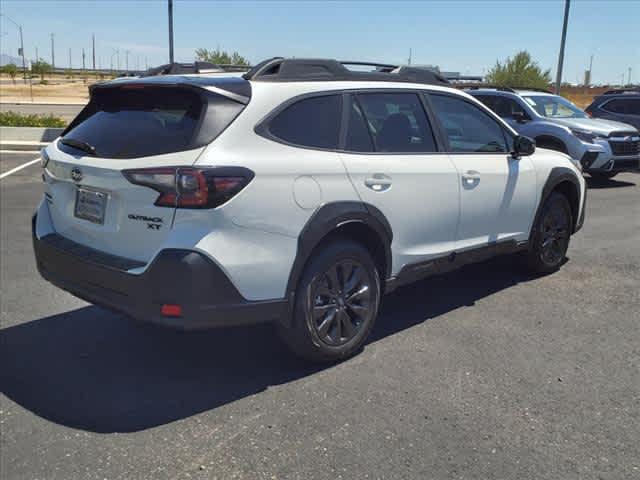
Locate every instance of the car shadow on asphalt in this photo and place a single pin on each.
(94, 370)
(593, 183)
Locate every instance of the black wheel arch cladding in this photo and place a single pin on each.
(558, 177)
(335, 217)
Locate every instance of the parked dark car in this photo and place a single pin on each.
(622, 105)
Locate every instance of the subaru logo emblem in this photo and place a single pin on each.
(76, 174)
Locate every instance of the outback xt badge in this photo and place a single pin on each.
(153, 223)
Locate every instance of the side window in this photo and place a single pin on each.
(468, 128)
(633, 106)
(397, 122)
(512, 107)
(623, 105)
(358, 134)
(311, 122)
(503, 107)
(493, 102)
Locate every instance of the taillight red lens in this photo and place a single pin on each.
(188, 187)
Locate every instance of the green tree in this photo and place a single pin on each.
(220, 57)
(11, 69)
(41, 68)
(520, 71)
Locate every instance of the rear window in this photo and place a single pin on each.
(313, 122)
(145, 121)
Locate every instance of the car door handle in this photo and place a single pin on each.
(378, 182)
(470, 178)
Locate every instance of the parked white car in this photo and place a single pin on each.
(299, 193)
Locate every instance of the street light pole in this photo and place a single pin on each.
(24, 65)
(53, 57)
(562, 42)
(170, 31)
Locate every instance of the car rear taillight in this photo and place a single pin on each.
(189, 187)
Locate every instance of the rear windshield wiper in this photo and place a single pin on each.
(80, 145)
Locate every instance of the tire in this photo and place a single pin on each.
(602, 176)
(550, 236)
(336, 303)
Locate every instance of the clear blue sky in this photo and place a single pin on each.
(466, 36)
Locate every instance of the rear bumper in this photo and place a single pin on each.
(181, 277)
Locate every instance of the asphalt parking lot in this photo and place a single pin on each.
(484, 373)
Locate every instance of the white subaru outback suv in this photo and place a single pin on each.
(298, 193)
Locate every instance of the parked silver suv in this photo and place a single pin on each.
(600, 147)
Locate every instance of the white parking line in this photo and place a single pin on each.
(18, 168)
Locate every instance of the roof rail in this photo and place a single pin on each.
(488, 87)
(504, 89)
(616, 91)
(183, 68)
(309, 69)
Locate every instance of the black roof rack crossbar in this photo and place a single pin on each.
(503, 89)
(309, 69)
(488, 87)
(183, 68)
(384, 67)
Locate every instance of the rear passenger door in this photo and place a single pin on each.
(390, 152)
(497, 191)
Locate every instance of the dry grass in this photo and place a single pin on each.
(582, 96)
(58, 89)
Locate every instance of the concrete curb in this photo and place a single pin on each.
(23, 146)
(29, 134)
(27, 138)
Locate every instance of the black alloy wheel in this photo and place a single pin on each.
(549, 242)
(336, 303)
(555, 236)
(340, 302)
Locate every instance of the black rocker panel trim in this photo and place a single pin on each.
(447, 263)
(327, 219)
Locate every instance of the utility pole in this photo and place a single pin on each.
(69, 58)
(126, 55)
(93, 40)
(170, 31)
(21, 49)
(37, 58)
(409, 56)
(629, 77)
(53, 58)
(567, 3)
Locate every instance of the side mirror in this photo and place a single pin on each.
(519, 117)
(523, 146)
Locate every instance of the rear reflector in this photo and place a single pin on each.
(170, 310)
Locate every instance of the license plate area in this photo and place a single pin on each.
(90, 205)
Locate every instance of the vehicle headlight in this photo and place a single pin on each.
(585, 135)
(44, 158)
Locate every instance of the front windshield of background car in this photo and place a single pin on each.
(552, 106)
